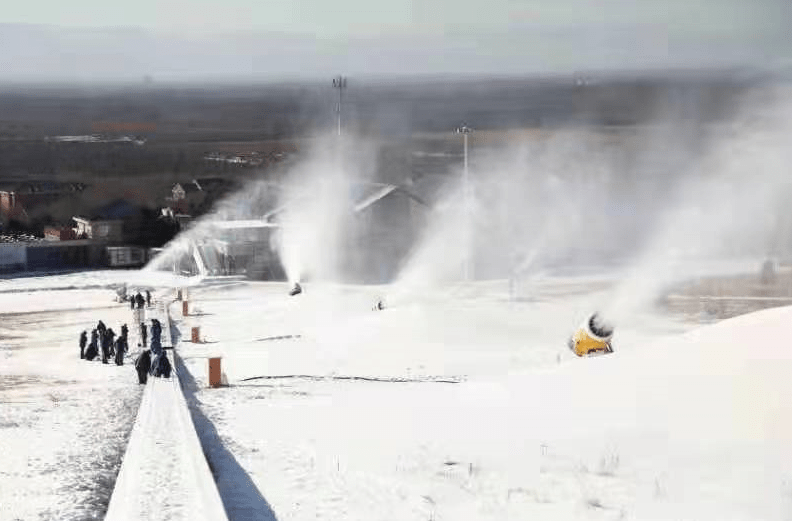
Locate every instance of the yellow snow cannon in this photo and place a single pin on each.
(592, 338)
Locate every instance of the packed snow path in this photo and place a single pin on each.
(164, 474)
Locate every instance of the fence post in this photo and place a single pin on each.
(215, 372)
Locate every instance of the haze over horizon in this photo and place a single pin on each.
(240, 39)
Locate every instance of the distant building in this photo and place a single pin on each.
(126, 256)
(13, 256)
(59, 233)
(18, 200)
(197, 196)
(99, 229)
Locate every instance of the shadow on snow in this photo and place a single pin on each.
(241, 498)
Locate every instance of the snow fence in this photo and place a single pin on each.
(164, 474)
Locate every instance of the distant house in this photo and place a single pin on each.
(116, 221)
(59, 233)
(111, 230)
(197, 196)
(18, 200)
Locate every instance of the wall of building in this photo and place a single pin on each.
(55, 256)
(13, 257)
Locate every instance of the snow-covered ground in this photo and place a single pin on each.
(454, 404)
(64, 422)
(462, 405)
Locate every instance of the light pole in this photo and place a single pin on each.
(340, 83)
(465, 130)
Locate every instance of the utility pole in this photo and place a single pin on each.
(465, 130)
(340, 83)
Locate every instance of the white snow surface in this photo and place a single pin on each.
(452, 404)
(165, 452)
(354, 417)
(64, 422)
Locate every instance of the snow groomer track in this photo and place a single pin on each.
(164, 474)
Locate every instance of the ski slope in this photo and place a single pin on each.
(64, 422)
(343, 417)
(164, 474)
(453, 404)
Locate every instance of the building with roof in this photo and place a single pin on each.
(19, 200)
(110, 230)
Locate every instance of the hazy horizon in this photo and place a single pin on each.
(91, 41)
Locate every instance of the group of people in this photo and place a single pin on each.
(105, 344)
(138, 300)
(152, 361)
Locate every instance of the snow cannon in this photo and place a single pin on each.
(592, 338)
(296, 290)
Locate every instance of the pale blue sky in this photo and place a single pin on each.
(274, 38)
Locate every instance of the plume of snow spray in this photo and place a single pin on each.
(730, 206)
(309, 213)
(317, 203)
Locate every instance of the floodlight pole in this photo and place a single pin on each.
(340, 83)
(465, 130)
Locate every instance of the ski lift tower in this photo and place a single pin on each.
(465, 130)
(340, 83)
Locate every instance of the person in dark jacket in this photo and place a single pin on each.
(140, 300)
(156, 346)
(156, 336)
(120, 349)
(93, 348)
(101, 329)
(143, 365)
(160, 366)
(107, 342)
(143, 333)
(132, 302)
(124, 338)
(83, 341)
(148, 298)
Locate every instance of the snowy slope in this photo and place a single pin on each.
(452, 404)
(64, 422)
(164, 474)
(672, 426)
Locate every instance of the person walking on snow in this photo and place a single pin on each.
(107, 342)
(156, 334)
(156, 331)
(120, 349)
(101, 329)
(143, 365)
(140, 300)
(83, 341)
(148, 298)
(143, 333)
(93, 348)
(160, 366)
